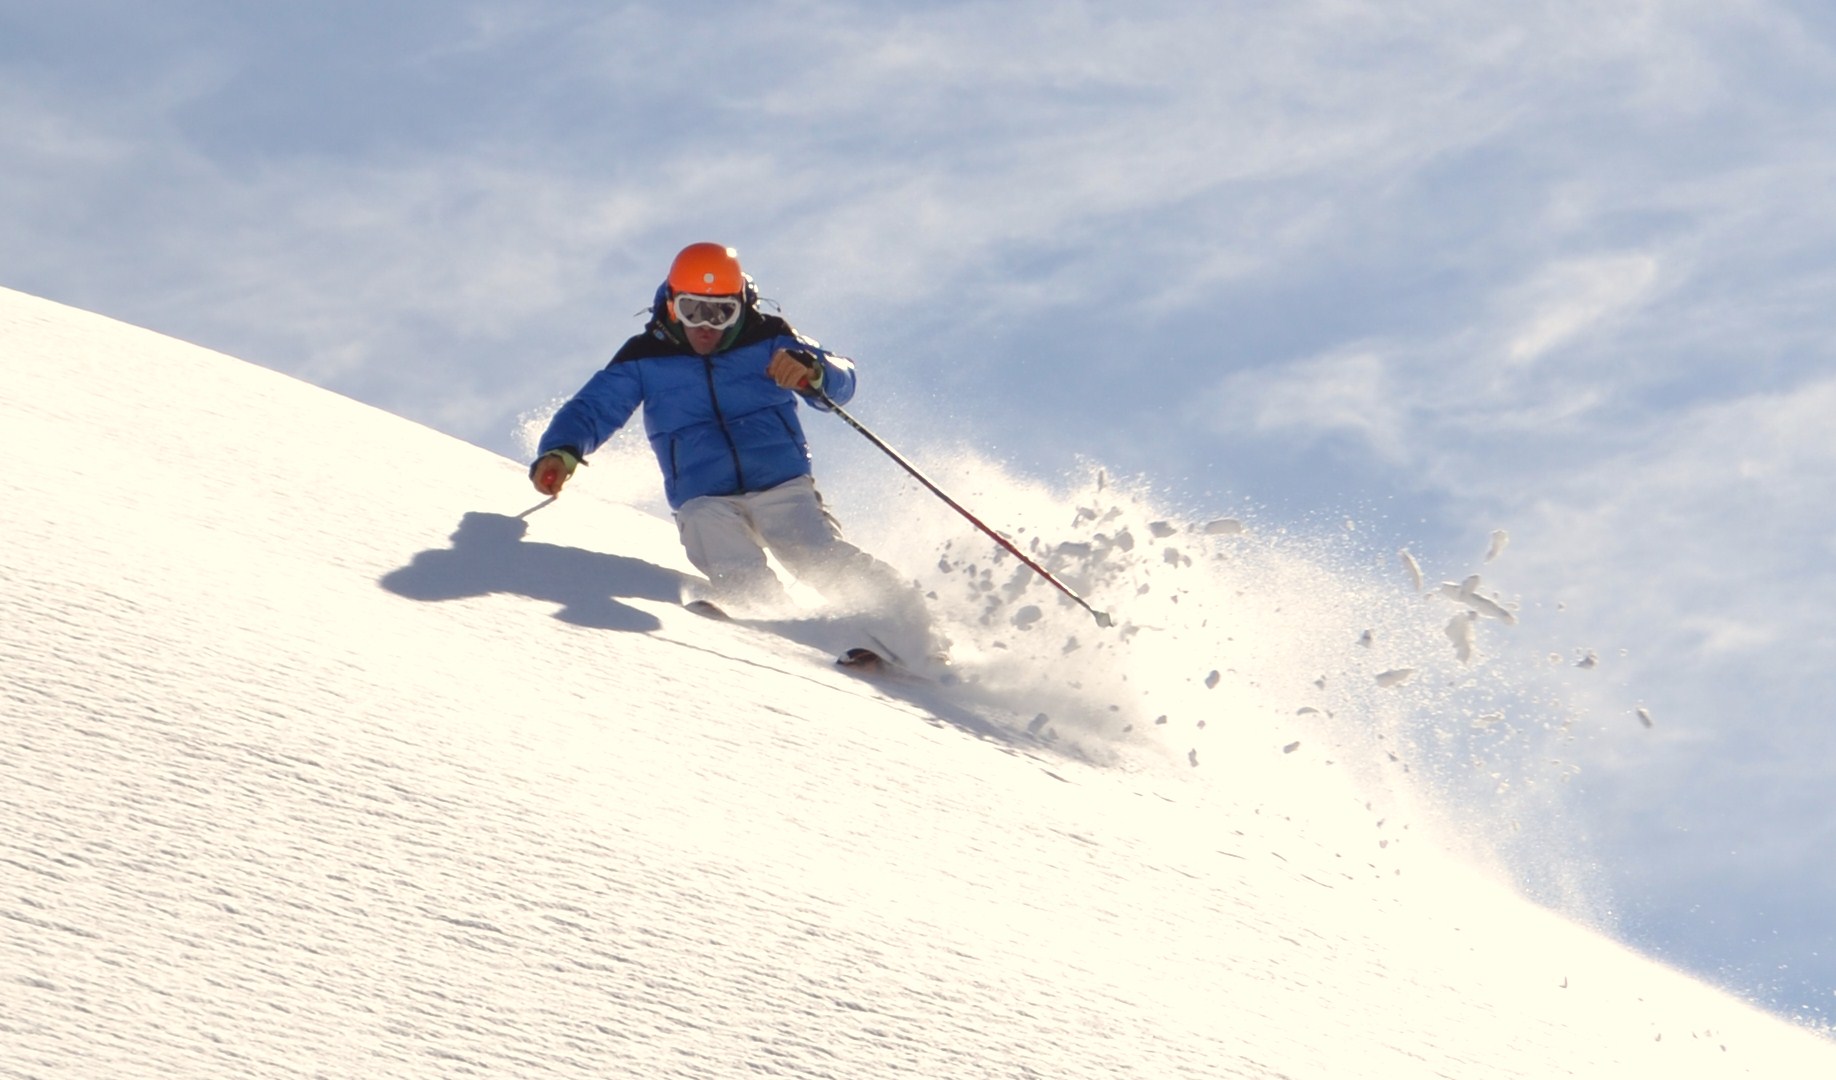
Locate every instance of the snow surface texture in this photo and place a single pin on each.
(324, 754)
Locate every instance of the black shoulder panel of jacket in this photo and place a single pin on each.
(655, 341)
(652, 342)
(759, 327)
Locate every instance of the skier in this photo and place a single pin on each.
(719, 383)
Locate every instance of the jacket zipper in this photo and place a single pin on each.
(720, 418)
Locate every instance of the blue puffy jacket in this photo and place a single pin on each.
(718, 424)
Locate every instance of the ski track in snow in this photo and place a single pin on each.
(320, 760)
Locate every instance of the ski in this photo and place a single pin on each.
(707, 609)
(877, 661)
(865, 662)
(880, 662)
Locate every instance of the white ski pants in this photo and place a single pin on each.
(727, 536)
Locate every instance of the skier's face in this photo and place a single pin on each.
(706, 318)
(703, 339)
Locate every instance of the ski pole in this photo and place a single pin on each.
(1102, 617)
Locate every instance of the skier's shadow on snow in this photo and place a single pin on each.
(489, 555)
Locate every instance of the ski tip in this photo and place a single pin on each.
(865, 660)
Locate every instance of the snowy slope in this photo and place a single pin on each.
(320, 760)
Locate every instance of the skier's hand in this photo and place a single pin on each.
(795, 370)
(551, 471)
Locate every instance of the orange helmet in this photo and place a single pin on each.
(707, 269)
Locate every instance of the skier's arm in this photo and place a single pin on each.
(582, 425)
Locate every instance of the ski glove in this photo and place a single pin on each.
(795, 369)
(552, 470)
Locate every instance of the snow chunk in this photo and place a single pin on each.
(1459, 630)
(1414, 568)
(1467, 592)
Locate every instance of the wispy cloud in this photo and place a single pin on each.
(1574, 297)
(1352, 395)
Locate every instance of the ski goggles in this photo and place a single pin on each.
(715, 312)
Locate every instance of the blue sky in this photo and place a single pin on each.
(1440, 268)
